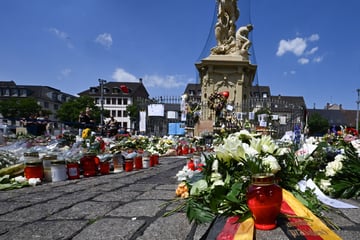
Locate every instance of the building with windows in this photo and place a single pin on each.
(47, 97)
(116, 97)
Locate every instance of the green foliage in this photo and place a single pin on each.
(133, 112)
(69, 111)
(346, 183)
(19, 107)
(318, 124)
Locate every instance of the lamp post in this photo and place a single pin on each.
(102, 82)
(357, 111)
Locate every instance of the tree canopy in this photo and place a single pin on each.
(16, 108)
(317, 124)
(69, 111)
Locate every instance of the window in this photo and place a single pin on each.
(54, 96)
(125, 114)
(23, 92)
(6, 92)
(125, 101)
(119, 101)
(108, 101)
(14, 92)
(264, 95)
(113, 113)
(93, 90)
(119, 113)
(116, 90)
(113, 101)
(124, 125)
(46, 104)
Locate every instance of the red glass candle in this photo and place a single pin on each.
(179, 150)
(156, 159)
(264, 199)
(73, 171)
(104, 168)
(90, 163)
(129, 165)
(185, 150)
(151, 160)
(138, 162)
(34, 170)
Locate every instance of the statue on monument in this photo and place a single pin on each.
(230, 41)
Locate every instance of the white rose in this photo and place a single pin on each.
(272, 163)
(333, 167)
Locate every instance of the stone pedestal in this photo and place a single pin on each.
(220, 73)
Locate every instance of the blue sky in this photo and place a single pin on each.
(306, 48)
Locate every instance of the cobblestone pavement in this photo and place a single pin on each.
(125, 205)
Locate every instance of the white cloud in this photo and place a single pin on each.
(303, 61)
(299, 47)
(296, 46)
(104, 39)
(317, 59)
(292, 72)
(58, 33)
(120, 75)
(171, 81)
(312, 51)
(314, 37)
(152, 81)
(65, 72)
(61, 35)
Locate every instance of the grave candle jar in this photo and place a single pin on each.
(264, 199)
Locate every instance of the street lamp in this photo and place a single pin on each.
(102, 82)
(357, 111)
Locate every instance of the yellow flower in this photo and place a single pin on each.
(86, 133)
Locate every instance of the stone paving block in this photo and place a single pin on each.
(7, 226)
(7, 195)
(85, 210)
(9, 206)
(39, 197)
(170, 187)
(45, 230)
(139, 187)
(138, 209)
(200, 230)
(174, 227)
(75, 187)
(33, 213)
(75, 197)
(157, 194)
(117, 196)
(110, 229)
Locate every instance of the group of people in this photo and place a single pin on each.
(38, 125)
(111, 127)
(86, 120)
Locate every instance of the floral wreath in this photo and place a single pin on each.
(216, 101)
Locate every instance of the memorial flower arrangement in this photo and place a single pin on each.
(217, 101)
(339, 175)
(220, 188)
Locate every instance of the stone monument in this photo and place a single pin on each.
(227, 68)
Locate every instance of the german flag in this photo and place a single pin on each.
(299, 224)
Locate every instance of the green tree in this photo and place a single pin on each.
(317, 124)
(69, 111)
(133, 111)
(15, 108)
